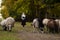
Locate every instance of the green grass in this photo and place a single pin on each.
(6, 35)
(14, 34)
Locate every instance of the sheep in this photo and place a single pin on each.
(45, 22)
(35, 25)
(8, 23)
(51, 25)
(35, 22)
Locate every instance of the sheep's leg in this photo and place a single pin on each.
(51, 30)
(35, 30)
(45, 29)
(5, 29)
(23, 25)
(9, 28)
(59, 29)
(56, 29)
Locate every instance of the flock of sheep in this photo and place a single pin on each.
(51, 25)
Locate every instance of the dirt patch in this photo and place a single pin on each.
(37, 36)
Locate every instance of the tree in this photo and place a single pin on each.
(32, 8)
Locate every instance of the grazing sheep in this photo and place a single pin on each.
(35, 24)
(45, 22)
(8, 23)
(51, 25)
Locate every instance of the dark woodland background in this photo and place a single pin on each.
(32, 9)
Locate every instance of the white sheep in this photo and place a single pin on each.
(8, 23)
(35, 24)
(45, 22)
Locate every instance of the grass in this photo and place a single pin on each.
(6, 35)
(15, 33)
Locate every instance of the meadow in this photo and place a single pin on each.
(25, 33)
